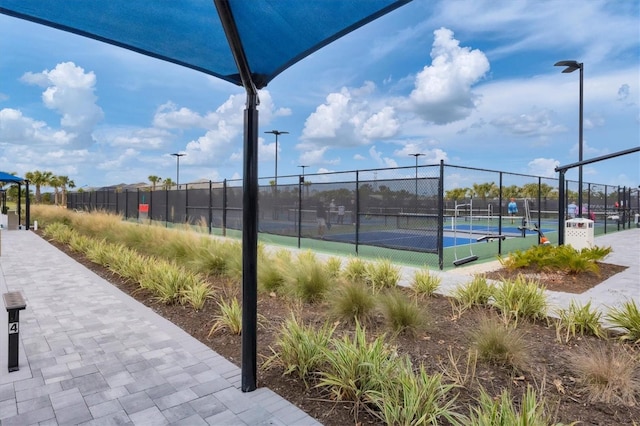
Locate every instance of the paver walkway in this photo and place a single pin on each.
(92, 355)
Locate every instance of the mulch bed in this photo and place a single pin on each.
(549, 359)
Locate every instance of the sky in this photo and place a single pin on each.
(469, 82)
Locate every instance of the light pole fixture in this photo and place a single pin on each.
(277, 133)
(302, 178)
(178, 155)
(571, 66)
(417, 155)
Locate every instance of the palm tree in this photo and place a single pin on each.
(65, 182)
(55, 183)
(154, 180)
(38, 179)
(167, 183)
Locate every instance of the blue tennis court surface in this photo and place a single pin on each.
(401, 240)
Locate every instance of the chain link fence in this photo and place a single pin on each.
(430, 215)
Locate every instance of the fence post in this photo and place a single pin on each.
(500, 212)
(561, 201)
(300, 184)
(224, 208)
(357, 212)
(166, 207)
(539, 207)
(440, 231)
(210, 207)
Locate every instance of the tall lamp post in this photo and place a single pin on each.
(417, 155)
(302, 178)
(571, 66)
(277, 133)
(178, 155)
(275, 203)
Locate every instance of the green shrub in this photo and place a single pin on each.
(626, 317)
(561, 258)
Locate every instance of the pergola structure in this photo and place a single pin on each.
(15, 180)
(247, 43)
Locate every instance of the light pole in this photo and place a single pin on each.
(571, 66)
(302, 178)
(417, 155)
(275, 186)
(277, 133)
(178, 155)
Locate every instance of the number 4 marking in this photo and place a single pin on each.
(13, 327)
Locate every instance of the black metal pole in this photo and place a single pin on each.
(440, 231)
(300, 183)
(500, 212)
(580, 148)
(210, 227)
(224, 207)
(561, 195)
(250, 246)
(357, 209)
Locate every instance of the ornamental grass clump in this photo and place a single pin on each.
(627, 317)
(477, 292)
(608, 373)
(520, 298)
(578, 320)
(307, 279)
(229, 318)
(58, 232)
(272, 270)
(401, 313)
(415, 398)
(355, 366)
(500, 344)
(490, 411)
(425, 283)
(351, 302)
(300, 349)
(382, 274)
(355, 270)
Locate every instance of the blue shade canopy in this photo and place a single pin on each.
(274, 34)
(245, 42)
(6, 177)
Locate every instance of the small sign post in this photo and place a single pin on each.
(14, 302)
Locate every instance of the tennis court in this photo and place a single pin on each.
(404, 240)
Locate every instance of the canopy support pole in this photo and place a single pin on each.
(249, 203)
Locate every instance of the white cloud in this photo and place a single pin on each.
(442, 92)
(349, 118)
(70, 92)
(316, 156)
(380, 160)
(140, 138)
(359, 157)
(15, 128)
(544, 167)
(533, 124)
(168, 116)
